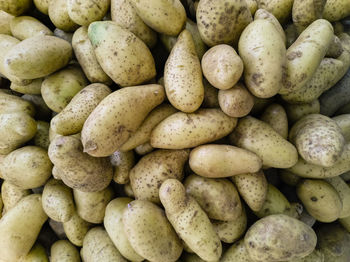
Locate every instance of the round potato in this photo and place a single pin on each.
(24, 27)
(76, 229)
(58, 13)
(87, 11)
(64, 251)
(276, 117)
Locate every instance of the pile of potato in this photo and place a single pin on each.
(130, 132)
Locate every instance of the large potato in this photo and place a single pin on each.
(11, 195)
(335, 10)
(304, 12)
(23, 27)
(76, 229)
(5, 21)
(344, 193)
(87, 11)
(122, 162)
(64, 251)
(281, 9)
(15, 7)
(58, 13)
(276, 117)
(12, 104)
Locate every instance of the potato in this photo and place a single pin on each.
(109, 126)
(153, 241)
(88, 11)
(237, 253)
(182, 130)
(34, 88)
(305, 12)
(286, 239)
(215, 161)
(64, 251)
(315, 256)
(79, 170)
(153, 169)
(15, 7)
(318, 139)
(58, 13)
(336, 47)
(42, 6)
(264, 14)
(5, 21)
(12, 104)
(37, 253)
(59, 88)
(122, 162)
(252, 187)
(22, 60)
(335, 10)
(121, 54)
(343, 121)
(20, 227)
(15, 130)
(296, 112)
(128, 190)
(276, 117)
(305, 55)
(11, 195)
(222, 22)
(91, 205)
(320, 199)
(41, 137)
(42, 112)
(281, 9)
(189, 221)
(260, 138)
(288, 177)
(113, 222)
(63, 35)
(263, 73)
(182, 75)
(344, 193)
(158, 14)
(210, 95)
(24, 27)
(27, 167)
(76, 229)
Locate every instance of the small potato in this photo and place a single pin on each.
(211, 99)
(305, 12)
(58, 13)
(76, 229)
(42, 6)
(335, 10)
(343, 121)
(236, 102)
(296, 112)
(264, 14)
(122, 162)
(11, 195)
(237, 253)
(24, 27)
(37, 253)
(42, 111)
(276, 117)
(34, 88)
(344, 193)
(41, 137)
(222, 67)
(281, 9)
(182, 130)
(5, 21)
(64, 251)
(27, 167)
(282, 241)
(15, 7)
(87, 11)
(12, 104)
(189, 221)
(215, 161)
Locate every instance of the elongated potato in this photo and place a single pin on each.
(5, 21)
(15, 7)
(11, 195)
(276, 117)
(76, 229)
(305, 12)
(264, 14)
(23, 27)
(237, 253)
(344, 193)
(34, 88)
(12, 104)
(58, 13)
(64, 251)
(88, 11)
(343, 121)
(335, 10)
(296, 112)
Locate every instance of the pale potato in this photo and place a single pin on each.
(58, 13)
(12, 104)
(305, 12)
(42, 6)
(237, 252)
(64, 251)
(15, 7)
(122, 162)
(5, 21)
(76, 229)
(344, 193)
(276, 117)
(144, 149)
(343, 121)
(87, 11)
(264, 14)
(24, 27)
(335, 10)
(33, 88)
(281, 9)
(11, 195)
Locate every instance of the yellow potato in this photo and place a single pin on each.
(237, 253)
(34, 88)
(42, 6)
(344, 193)
(296, 112)
(276, 117)
(264, 14)
(58, 13)
(252, 5)
(23, 27)
(41, 137)
(122, 162)
(335, 10)
(64, 251)
(76, 229)
(5, 21)
(281, 9)
(37, 253)
(13, 104)
(11, 195)
(305, 12)
(87, 11)
(343, 121)
(15, 7)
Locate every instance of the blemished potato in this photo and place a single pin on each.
(122, 162)
(41, 137)
(23, 27)
(260, 138)
(343, 121)
(20, 227)
(42, 6)
(88, 11)
(281, 9)
(23, 60)
(76, 229)
(59, 88)
(153, 169)
(121, 54)
(64, 251)
(276, 117)
(12, 104)
(153, 241)
(320, 199)
(222, 22)
(125, 15)
(296, 112)
(335, 10)
(113, 222)
(15, 7)
(183, 76)
(86, 57)
(318, 139)
(117, 116)
(252, 187)
(215, 161)
(157, 14)
(79, 170)
(42, 111)
(344, 193)
(91, 205)
(5, 21)
(34, 88)
(264, 14)
(305, 12)
(37, 253)
(182, 130)
(189, 220)
(282, 241)
(58, 14)
(237, 253)
(71, 119)
(211, 99)
(222, 66)
(58, 201)
(11, 195)
(27, 167)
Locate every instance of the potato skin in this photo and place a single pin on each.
(58, 13)
(76, 229)
(122, 162)
(11, 104)
(343, 121)
(276, 117)
(5, 21)
(64, 251)
(281, 9)
(296, 112)
(15, 7)
(264, 14)
(88, 11)
(344, 193)
(41, 137)
(335, 10)
(305, 12)
(34, 88)
(42, 6)
(237, 252)
(24, 27)
(11, 195)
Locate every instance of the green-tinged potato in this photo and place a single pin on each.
(34, 88)
(121, 54)
(58, 201)
(113, 121)
(12, 104)
(182, 130)
(58, 13)
(168, 41)
(217, 197)
(305, 55)
(64, 251)
(260, 138)
(153, 169)
(63, 35)
(15, 129)
(86, 57)
(125, 15)
(144, 149)
(252, 187)
(37, 56)
(27, 167)
(150, 233)
(222, 66)
(79, 170)
(343, 121)
(215, 161)
(157, 14)
(11, 195)
(211, 99)
(345, 222)
(20, 227)
(87, 11)
(263, 53)
(42, 111)
(200, 46)
(260, 104)
(320, 199)
(41, 137)
(222, 22)
(190, 221)
(143, 133)
(296, 112)
(336, 10)
(122, 162)
(42, 6)
(36, 254)
(113, 222)
(344, 193)
(281, 9)
(315, 256)
(252, 5)
(183, 76)
(23, 27)
(305, 12)
(288, 177)
(264, 14)
(286, 239)
(276, 117)
(5, 21)
(15, 7)
(76, 229)
(236, 253)
(91, 205)
(59, 88)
